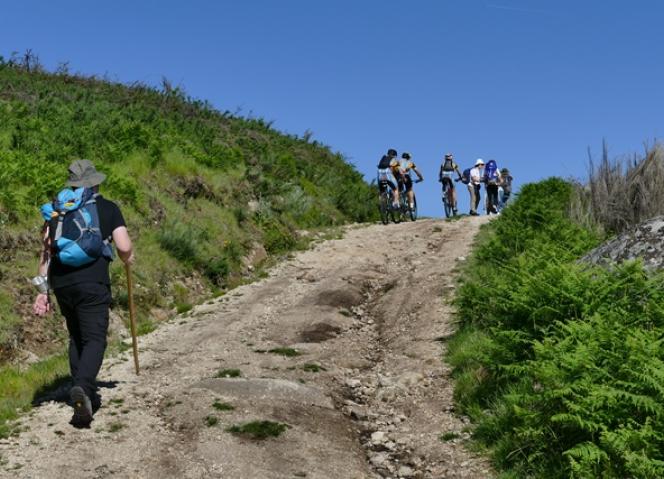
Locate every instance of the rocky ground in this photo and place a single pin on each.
(341, 345)
(644, 242)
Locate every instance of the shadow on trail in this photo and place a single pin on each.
(58, 391)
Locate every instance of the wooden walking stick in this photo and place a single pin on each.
(132, 316)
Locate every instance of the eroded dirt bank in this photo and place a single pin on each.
(367, 397)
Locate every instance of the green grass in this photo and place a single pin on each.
(211, 421)
(259, 429)
(183, 307)
(449, 436)
(228, 373)
(222, 406)
(115, 427)
(287, 352)
(313, 368)
(19, 387)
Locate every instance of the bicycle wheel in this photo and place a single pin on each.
(397, 213)
(412, 212)
(447, 206)
(384, 207)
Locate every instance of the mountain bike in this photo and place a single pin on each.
(387, 210)
(406, 210)
(449, 205)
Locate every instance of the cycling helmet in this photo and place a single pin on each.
(405, 155)
(391, 152)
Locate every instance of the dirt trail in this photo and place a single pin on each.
(369, 309)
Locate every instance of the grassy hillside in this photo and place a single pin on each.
(206, 195)
(559, 364)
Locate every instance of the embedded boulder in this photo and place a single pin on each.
(645, 242)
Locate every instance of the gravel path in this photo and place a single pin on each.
(367, 397)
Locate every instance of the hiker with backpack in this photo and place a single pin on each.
(79, 227)
(491, 181)
(473, 178)
(505, 188)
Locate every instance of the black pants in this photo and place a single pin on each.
(85, 307)
(492, 198)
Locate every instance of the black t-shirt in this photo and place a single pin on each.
(110, 218)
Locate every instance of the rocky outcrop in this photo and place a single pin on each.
(645, 242)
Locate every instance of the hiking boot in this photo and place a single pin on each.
(82, 407)
(455, 212)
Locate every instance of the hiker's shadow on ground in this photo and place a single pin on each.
(58, 391)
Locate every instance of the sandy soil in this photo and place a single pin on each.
(370, 310)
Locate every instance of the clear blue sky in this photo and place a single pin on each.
(531, 84)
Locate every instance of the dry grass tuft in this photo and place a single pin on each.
(621, 192)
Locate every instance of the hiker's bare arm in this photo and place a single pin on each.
(42, 304)
(419, 175)
(123, 244)
(45, 256)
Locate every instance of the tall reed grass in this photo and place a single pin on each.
(621, 192)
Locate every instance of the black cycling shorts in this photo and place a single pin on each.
(407, 183)
(448, 180)
(384, 184)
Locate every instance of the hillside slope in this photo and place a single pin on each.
(207, 195)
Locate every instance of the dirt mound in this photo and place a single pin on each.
(645, 242)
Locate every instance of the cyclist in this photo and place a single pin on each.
(386, 177)
(406, 181)
(447, 169)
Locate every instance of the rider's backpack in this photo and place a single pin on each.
(465, 176)
(491, 173)
(74, 228)
(448, 165)
(384, 162)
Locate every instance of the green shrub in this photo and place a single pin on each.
(180, 241)
(277, 238)
(217, 269)
(559, 364)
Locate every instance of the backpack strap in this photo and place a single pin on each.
(107, 241)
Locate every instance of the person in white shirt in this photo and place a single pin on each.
(474, 186)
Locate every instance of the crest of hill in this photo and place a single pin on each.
(207, 195)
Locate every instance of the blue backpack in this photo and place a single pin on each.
(74, 228)
(491, 173)
(465, 176)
